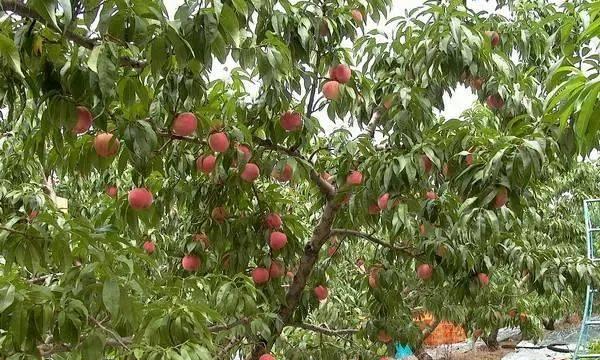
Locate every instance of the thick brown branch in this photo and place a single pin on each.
(311, 254)
(326, 188)
(404, 249)
(326, 331)
(19, 8)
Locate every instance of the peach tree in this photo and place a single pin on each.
(151, 209)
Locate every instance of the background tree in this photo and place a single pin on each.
(190, 198)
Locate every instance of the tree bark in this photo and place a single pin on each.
(549, 324)
(492, 340)
(311, 254)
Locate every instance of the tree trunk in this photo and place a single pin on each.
(422, 354)
(311, 254)
(492, 340)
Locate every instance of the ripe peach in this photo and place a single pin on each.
(495, 102)
(427, 164)
(342, 73)
(357, 16)
(384, 337)
(260, 276)
(33, 214)
(483, 279)
(441, 250)
(522, 317)
(190, 263)
(469, 159)
(331, 90)
(140, 198)
(501, 197)
(149, 247)
(374, 277)
(291, 120)
(218, 142)
(354, 178)
(289, 275)
(327, 177)
(388, 102)
(267, 357)
(512, 313)
(373, 209)
(245, 152)
(84, 120)
(112, 191)
(431, 195)
(276, 270)
(184, 124)
(383, 200)
(422, 230)
(321, 292)
(219, 214)
(277, 240)
(285, 175)
(476, 83)
(251, 172)
(494, 37)
(106, 144)
(424, 271)
(206, 163)
(273, 221)
(202, 238)
(332, 249)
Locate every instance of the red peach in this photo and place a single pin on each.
(277, 240)
(219, 214)
(140, 198)
(218, 142)
(354, 178)
(342, 73)
(383, 200)
(273, 221)
(495, 102)
(251, 172)
(202, 238)
(206, 163)
(84, 120)
(424, 271)
(149, 247)
(357, 16)
(373, 209)
(427, 164)
(260, 276)
(494, 37)
(501, 197)
(331, 90)
(112, 191)
(384, 337)
(184, 124)
(484, 279)
(190, 263)
(430, 195)
(321, 292)
(291, 120)
(276, 270)
(106, 144)
(245, 152)
(267, 357)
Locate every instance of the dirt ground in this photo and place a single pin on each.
(480, 354)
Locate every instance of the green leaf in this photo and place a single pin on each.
(7, 297)
(92, 347)
(9, 51)
(229, 24)
(67, 13)
(47, 9)
(241, 7)
(111, 295)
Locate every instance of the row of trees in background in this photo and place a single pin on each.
(207, 221)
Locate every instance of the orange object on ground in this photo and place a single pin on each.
(445, 333)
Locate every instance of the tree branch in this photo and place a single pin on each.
(325, 187)
(181, 138)
(223, 327)
(404, 249)
(120, 341)
(20, 8)
(311, 254)
(326, 331)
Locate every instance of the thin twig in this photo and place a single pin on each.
(116, 336)
(326, 331)
(404, 249)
